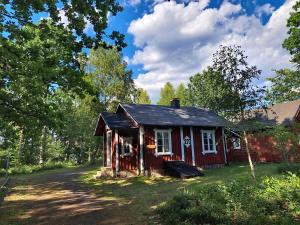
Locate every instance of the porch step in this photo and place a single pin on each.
(108, 172)
(104, 172)
(181, 169)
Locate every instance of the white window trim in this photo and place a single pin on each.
(233, 142)
(170, 142)
(122, 147)
(213, 132)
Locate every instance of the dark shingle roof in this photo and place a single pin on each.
(116, 121)
(169, 116)
(282, 113)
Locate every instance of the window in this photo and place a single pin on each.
(208, 142)
(236, 143)
(126, 146)
(163, 142)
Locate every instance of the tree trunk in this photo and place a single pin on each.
(43, 146)
(249, 156)
(20, 147)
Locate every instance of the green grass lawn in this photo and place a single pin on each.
(141, 195)
(124, 200)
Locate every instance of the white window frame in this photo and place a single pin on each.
(234, 142)
(123, 149)
(209, 151)
(170, 141)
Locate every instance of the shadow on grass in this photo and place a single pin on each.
(73, 197)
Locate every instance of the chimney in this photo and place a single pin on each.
(175, 103)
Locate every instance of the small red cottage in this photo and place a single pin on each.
(142, 137)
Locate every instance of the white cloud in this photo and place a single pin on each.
(64, 20)
(132, 3)
(177, 40)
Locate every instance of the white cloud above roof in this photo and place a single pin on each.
(177, 40)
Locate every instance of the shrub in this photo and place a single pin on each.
(273, 201)
(289, 168)
(28, 169)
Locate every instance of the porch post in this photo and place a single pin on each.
(141, 138)
(192, 145)
(117, 151)
(182, 143)
(224, 145)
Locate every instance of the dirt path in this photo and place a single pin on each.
(56, 198)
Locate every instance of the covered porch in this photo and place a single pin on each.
(122, 141)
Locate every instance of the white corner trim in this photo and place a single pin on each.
(182, 144)
(109, 148)
(141, 138)
(117, 151)
(192, 145)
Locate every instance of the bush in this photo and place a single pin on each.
(28, 169)
(291, 168)
(273, 201)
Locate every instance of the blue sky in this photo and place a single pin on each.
(170, 41)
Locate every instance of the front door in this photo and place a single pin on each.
(108, 147)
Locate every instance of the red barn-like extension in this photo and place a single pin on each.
(261, 145)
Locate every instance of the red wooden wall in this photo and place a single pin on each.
(154, 162)
(211, 158)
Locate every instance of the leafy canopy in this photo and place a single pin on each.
(182, 93)
(142, 96)
(292, 42)
(113, 82)
(167, 93)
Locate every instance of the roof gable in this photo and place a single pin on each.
(282, 113)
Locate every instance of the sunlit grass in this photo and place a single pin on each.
(146, 193)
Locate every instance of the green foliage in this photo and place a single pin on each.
(292, 42)
(111, 79)
(285, 141)
(28, 169)
(208, 89)
(143, 96)
(285, 86)
(272, 201)
(289, 168)
(14, 14)
(182, 93)
(167, 93)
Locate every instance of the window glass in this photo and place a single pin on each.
(126, 145)
(208, 138)
(163, 141)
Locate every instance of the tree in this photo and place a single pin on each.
(231, 63)
(292, 42)
(285, 86)
(285, 141)
(142, 96)
(182, 93)
(111, 78)
(14, 14)
(167, 93)
(209, 89)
